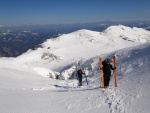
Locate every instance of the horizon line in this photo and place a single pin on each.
(1, 25)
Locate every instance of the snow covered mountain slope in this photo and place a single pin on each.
(130, 34)
(23, 90)
(59, 53)
(87, 44)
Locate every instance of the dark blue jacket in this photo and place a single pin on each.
(107, 67)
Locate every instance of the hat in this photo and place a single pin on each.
(108, 60)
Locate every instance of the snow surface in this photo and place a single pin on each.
(28, 84)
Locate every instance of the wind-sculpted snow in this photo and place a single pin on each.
(129, 34)
(28, 84)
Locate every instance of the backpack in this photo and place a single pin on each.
(79, 72)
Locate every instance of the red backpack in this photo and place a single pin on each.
(80, 71)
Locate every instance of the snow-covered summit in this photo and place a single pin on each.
(86, 44)
(130, 34)
(61, 53)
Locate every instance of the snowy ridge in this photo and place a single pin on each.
(130, 34)
(57, 54)
(24, 85)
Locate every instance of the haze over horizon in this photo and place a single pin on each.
(21, 12)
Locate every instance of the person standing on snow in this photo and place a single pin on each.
(107, 67)
(79, 76)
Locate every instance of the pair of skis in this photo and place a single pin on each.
(102, 74)
(85, 76)
(86, 79)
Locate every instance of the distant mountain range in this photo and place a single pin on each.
(15, 43)
(15, 40)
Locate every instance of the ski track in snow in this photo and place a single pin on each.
(116, 100)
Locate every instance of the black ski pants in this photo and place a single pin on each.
(107, 79)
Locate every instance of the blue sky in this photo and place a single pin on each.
(16, 12)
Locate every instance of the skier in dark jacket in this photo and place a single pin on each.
(79, 76)
(107, 67)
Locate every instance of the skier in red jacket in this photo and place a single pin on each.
(79, 76)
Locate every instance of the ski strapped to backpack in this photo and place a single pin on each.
(115, 77)
(101, 73)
